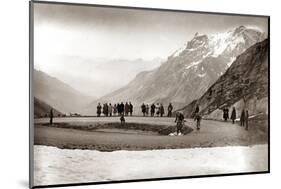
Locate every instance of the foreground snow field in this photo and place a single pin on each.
(57, 166)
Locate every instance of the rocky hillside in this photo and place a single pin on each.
(58, 94)
(243, 85)
(189, 71)
(41, 109)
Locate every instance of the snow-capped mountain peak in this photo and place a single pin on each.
(222, 42)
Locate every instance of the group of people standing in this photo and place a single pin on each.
(157, 109)
(244, 117)
(117, 109)
(107, 109)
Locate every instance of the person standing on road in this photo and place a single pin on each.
(170, 109)
(110, 109)
(106, 109)
(246, 119)
(118, 109)
(143, 109)
(242, 118)
(195, 111)
(51, 116)
(122, 107)
(127, 109)
(122, 119)
(114, 109)
(157, 109)
(162, 111)
(180, 121)
(197, 118)
(233, 115)
(131, 108)
(225, 114)
(152, 110)
(98, 110)
(147, 109)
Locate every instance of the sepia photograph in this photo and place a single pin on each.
(128, 94)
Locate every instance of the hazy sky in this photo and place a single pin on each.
(90, 34)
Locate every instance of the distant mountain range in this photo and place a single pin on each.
(95, 76)
(57, 94)
(188, 72)
(243, 85)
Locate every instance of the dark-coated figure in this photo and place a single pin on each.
(147, 109)
(127, 108)
(122, 119)
(118, 109)
(242, 118)
(143, 109)
(122, 107)
(131, 108)
(162, 111)
(196, 109)
(225, 114)
(198, 118)
(98, 110)
(51, 116)
(152, 110)
(105, 109)
(170, 109)
(180, 122)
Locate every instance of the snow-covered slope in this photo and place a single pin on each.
(189, 71)
(57, 166)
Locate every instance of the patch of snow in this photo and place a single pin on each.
(255, 115)
(202, 75)
(58, 166)
(179, 51)
(219, 42)
(235, 42)
(193, 64)
(232, 59)
(256, 28)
